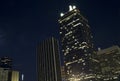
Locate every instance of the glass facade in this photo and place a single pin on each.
(48, 61)
(76, 41)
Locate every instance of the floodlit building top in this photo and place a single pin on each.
(70, 9)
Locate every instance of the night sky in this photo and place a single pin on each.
(24, 23)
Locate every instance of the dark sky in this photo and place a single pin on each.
(24, 23)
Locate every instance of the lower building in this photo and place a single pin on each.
(14, 76)
(8, 75)
(4, 74)
(107, 64)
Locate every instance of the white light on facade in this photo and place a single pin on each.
(22, 77)
(70, 8)
(60, 32)
(61, 14)
(74, 7)
(99, 49)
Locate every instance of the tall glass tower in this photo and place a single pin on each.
(48, 62)
(76, 42)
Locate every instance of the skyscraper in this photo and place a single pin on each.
(48, 62)
(76, 41)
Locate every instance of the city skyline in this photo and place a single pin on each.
(23, 25)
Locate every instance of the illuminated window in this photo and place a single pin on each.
(75, 43)
(85, 50)
(61, 27)
(83, 60)
(76, 24)
(73, 57)
(72, 46)
(68, 67)
(73, 37)
(67, 71)
(86, 55)
(61, 14)
(60, 32)
(84, 64)
(70, 71)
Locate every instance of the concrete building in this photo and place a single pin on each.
(107, 64)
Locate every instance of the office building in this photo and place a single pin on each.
(48, 61)
(8, 75)
(76, 42)
(4, 74)
(109, 64)
(14, 76)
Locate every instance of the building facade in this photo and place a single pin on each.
(4, 75)
(76, 41)
(15, 76)
(48, 61)
(63, 75)
(8, 75)
(108, 64)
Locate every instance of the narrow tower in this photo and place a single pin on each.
(48, 62)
